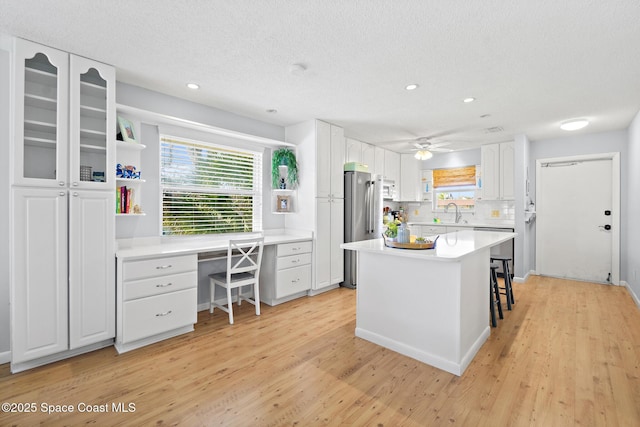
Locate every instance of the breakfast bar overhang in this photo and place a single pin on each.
(431, 305)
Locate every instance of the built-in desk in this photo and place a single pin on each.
(157, 281)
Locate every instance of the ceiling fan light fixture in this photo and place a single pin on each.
(574, 124)
(423, 155)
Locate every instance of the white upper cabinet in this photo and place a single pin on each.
(392, 168)
(369, 157)
(497, 171)
(410, 179)
(41, 106)
(379, 161)
(64, 128)
(353, 150)
(92, 123)
(337, 162)
(330, 150)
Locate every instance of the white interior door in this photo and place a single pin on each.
(572, 239)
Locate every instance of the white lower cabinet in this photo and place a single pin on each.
(329, 236)
(157, 299)
(62, 275)
(286, 272)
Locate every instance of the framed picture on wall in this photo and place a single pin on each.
(126, 130)
(283, 204)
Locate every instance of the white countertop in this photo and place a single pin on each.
(178, 245)
(484, 224)
(449, 247)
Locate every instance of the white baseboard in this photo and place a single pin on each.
(635, 297)
(525, 278)
(5, 357)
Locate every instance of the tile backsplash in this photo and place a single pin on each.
(485, 211)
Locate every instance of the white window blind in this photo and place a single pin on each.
(209, 189)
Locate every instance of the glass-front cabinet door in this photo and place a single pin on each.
(92, 124)
(41, 85)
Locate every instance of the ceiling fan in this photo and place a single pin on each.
(424, 149)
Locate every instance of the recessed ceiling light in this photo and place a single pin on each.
(412, 86)
(574, 124)
(193, 86)
(468, 100)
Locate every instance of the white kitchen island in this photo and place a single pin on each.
(431, 305)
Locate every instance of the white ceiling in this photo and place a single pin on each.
(529, 64)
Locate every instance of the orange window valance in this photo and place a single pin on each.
(454, 177)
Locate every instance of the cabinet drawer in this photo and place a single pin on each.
(293, 280)
(161, 313)
(159, 285)
(286, 249)
(429, 230)
(293, 261)
(163, 266)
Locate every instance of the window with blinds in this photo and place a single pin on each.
(454, 185)
(209, 189)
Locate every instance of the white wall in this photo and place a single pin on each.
(595, 143)
(5, 196)
(133, 96)
(631, 251)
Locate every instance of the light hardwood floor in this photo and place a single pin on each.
(568, 354)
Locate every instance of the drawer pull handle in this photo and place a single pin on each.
(165, 285)
(295, 281)
(295, 249)
(162, 267)
(295, 261)
(166, 313)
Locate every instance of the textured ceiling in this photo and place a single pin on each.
(529, 64)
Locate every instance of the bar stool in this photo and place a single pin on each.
(508, 288)
(494, 294)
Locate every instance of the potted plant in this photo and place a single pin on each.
(284, 157)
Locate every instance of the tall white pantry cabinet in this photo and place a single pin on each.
(62, 215)
(320, 150)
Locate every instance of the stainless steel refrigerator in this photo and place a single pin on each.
(362, 216)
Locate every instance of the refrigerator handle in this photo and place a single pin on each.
(367, 208)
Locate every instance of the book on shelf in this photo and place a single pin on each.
(124, 200)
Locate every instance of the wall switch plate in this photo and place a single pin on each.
(495, 213)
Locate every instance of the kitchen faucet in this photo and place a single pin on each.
(458, 214)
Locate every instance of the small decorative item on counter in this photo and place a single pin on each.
(391, 233)
(283, 184)
(404, 234)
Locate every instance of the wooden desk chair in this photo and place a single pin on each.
(244, 257)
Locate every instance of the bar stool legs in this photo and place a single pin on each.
(508, 288)
(494, 295)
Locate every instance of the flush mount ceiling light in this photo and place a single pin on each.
(574, 124)
(412, 86)
(468, 100)
(193, 86)
(423, 155)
